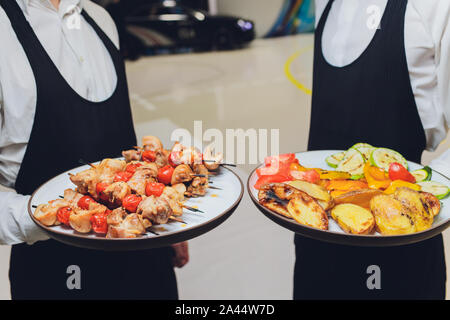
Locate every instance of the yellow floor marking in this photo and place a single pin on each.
(290, 76)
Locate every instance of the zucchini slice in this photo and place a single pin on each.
(423, 174)
(365, 148)
(352, 163)
(437, 189)
(383, 157)
(334, 159)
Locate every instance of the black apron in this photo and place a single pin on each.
(371, 100)
(67, 128)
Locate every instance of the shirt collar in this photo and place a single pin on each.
(65, 4)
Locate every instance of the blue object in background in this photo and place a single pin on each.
(296, 16)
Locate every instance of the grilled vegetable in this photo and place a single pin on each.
(437, 189)
(391, 217)
(338, 187)
(399, 184)
(418, 210)
(353, 219)
(358, 197)
(276, 197)
(334, 159)
(305, 210)
(365, 148)
(423, 174)
(383, 157)
(352, 163)
(313, 190)
(333, 175)
(399, 172)
(376, 177)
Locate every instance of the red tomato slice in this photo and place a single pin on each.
(270, 179)
(399, 172)
(311, 176)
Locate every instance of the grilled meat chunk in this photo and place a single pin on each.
(144, 174)
(116, 192)
(132, 155)
(46, 213)
(155, 209)
(182, 173)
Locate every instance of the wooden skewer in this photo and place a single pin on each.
(87, 163)
(192, 209)
(199, 175)
(177, 219)
(155, 233)
(221, 164)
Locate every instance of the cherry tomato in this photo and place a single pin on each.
(270, 179)
(123, 176)
(131, 168)
(154, 189)
(98, 222)
(399, 172)
(101, 186)
(149, 156)
(165, 174)
(311, 176)
(63, 215)
(131, 202)
(83, 203)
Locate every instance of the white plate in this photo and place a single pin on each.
(217, 206)
(316, 159)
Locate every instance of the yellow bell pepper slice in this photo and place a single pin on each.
(400, 183)
(376, 178)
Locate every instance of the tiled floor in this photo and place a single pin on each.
(264, 86)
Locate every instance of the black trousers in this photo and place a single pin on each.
(331, 271)
(40, 271)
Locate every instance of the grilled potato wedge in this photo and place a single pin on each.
(432, 202)
(326, 205)
(276, 197)
(313, 190)
(353, 219)
(305, 210)
(419, 210)
(358, 197)
(391, 217)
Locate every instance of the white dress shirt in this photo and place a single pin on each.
(84, 62)
(350, 28)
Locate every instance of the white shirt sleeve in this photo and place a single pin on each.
(17, 106)
(16, 226)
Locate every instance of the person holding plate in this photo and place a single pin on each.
(381, 76)
(64, 97)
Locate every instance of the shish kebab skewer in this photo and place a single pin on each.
(150, 210)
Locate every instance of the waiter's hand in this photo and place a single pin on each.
(181, 257)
